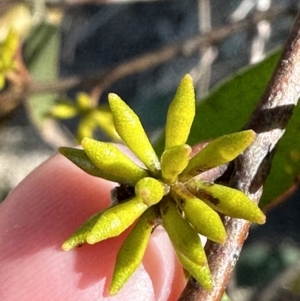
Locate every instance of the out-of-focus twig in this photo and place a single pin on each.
(202, 71)
(103, 79)
(83, 2)
(269, 121)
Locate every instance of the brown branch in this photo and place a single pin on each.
(269, 120)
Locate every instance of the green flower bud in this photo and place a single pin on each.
(84, 101)
(204, 219)
(78, 238)
(133, 249)
(63, 111)
(131, 131)
(105, 121)
(2, 80)
(111, 160)
(149, 190)
(173, 161)
(220, 151)
(201, 273)
(80, 158)
(186, 243)
(116, 220)
(184, 238)
(86, 127)
(227, 200)
(181, 114)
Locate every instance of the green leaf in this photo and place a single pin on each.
(230, 104)
(228, 107)
(286, 163)
(41, 56)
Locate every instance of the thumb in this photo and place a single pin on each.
(41, 213)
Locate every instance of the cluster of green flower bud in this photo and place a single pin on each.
(91, 116)
(166, 191)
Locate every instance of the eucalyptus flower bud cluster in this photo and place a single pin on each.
(167, 190)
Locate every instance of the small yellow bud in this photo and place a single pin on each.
(181, 114)
(63, 110)
(116, 220)
(149, 190)
(220, 151)
(183, 237)
(112, 161)
(173, 161)
(186, 243)
(80, 158)
(201, 273)
(131, 131)
(133, 249)
(78, 238)
(227, 200)
(84, 101)
(204, 219)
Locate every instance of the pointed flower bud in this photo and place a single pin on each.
(116, 220)
(183, 237)
(181, 114)
(203, 218)
(111, 160)
(78, 238)
(186, 243)
(84, 101)
(221, 150)
(173, 161)
(133, 249)
(227, 200)
(64, 110)
(150, 190)
(80, 158)
(131, 131)
(201, 273)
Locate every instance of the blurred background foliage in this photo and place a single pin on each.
(59, 59)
